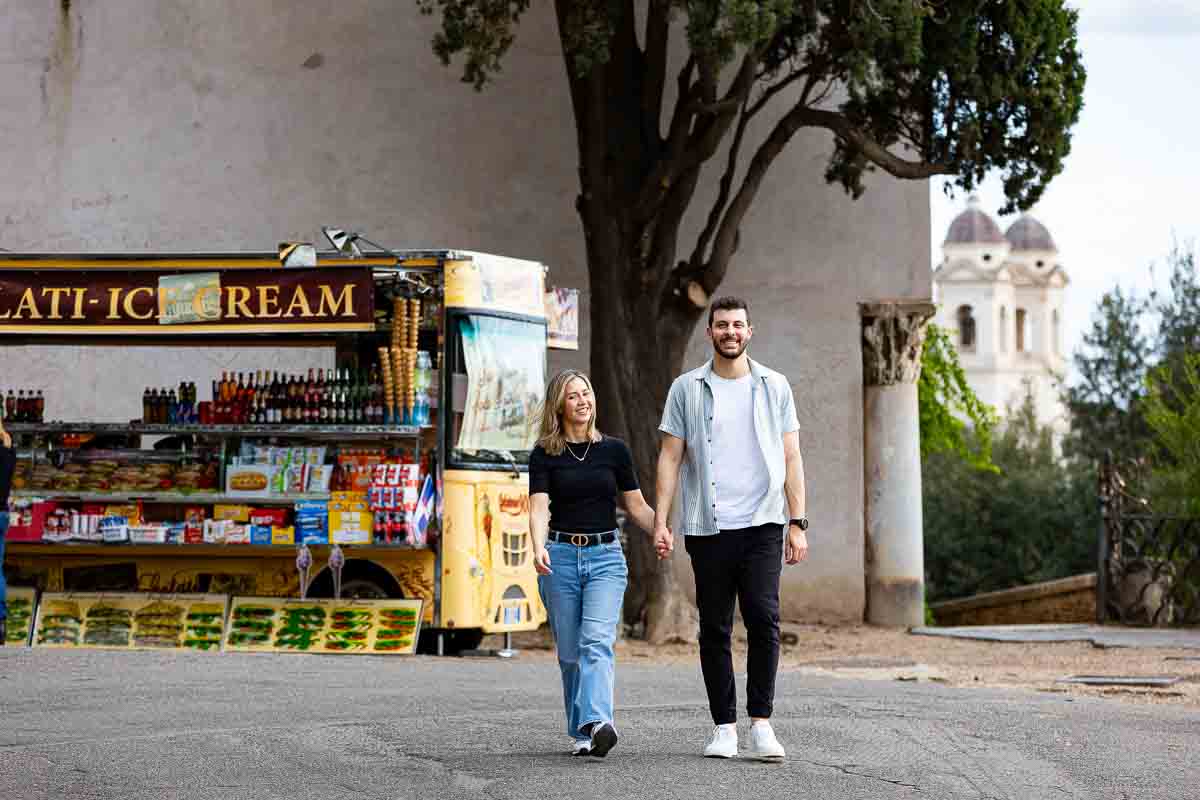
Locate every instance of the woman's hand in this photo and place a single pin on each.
(541, 561)
(5, 438)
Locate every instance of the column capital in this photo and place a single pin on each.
(893, 332)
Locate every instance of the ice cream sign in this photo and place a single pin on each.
(190, 302)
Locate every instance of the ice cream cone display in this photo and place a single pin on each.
(414, 322)
(389, 383)
(399, 321)
(410, 381)
(398, 374)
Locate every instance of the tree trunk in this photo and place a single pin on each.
(638, 348)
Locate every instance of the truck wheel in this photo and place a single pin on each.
(363, 589)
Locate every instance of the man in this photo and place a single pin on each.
(732, 425)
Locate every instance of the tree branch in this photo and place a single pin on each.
(879, 155)
(658, 33)
(702, 144)
(714, 214)
(587, 100)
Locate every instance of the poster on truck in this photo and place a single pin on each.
(130, 621)
(290, 625)
(21, 601)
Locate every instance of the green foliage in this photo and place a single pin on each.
(1110, 365)
(1130, 337)
(1172, 410)
(1032, 519)
(945, 399)
(971, 87)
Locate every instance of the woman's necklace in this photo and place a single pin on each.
(572, 452)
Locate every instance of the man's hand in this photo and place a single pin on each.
(541, 561)
(795, 547)
(5, 439)
(664, 541)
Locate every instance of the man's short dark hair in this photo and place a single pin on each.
(727, 304)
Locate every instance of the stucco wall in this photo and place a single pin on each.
(233, 126)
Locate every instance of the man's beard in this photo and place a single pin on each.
(717, 349)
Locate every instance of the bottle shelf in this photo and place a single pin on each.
(291, 431)
(170, 497)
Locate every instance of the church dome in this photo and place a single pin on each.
(974, 226)
(1029, 234)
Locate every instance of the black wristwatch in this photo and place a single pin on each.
(800, 522)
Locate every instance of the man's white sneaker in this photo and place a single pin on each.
(723, 743)
(763, 744)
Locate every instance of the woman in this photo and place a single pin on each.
(575, 475)
(8, 463)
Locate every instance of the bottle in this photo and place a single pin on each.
(146, 404)
(323, 409)
(421, 408)
(10, 406)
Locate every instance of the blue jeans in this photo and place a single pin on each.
(583, 597)
(3, 585)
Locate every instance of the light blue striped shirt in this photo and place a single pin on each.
(688, 416)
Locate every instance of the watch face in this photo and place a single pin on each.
(801, 523)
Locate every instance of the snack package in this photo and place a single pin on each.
(235, 513)
(237, 534)
(131, 512)
(283, 535)
(294, 481)
(260, 534)
(175, 533)
(114, 529)
(320, 478)
(193, 522)
(270, 517)
(148, 534)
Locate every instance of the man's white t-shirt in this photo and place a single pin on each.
(739, 471)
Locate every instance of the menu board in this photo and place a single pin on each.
(277, 624)
(20, 614)
(128, 621)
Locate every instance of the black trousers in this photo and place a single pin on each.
(744, 564)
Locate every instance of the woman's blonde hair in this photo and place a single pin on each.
(551, 434)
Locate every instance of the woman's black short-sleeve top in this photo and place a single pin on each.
(583, 494)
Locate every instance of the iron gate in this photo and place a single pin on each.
(1149, 564)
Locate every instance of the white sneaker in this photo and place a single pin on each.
(763, 744)
(723, 743)
(581, 747)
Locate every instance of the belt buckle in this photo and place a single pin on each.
(579, 539)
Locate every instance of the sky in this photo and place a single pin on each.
(1131, 184)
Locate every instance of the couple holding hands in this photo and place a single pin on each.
(731, 426)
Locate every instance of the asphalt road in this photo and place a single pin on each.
(134, 726)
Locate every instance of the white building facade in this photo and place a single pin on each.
(1000, 295)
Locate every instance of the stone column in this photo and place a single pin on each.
(893, 333)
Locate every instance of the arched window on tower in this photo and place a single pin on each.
(1022, 324)
(966, 328)
(1003, 339)
(1054, 331)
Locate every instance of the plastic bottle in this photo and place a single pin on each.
(420, 415)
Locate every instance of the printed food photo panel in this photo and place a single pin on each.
(131, 621)
(276, 624)
(21, 601)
